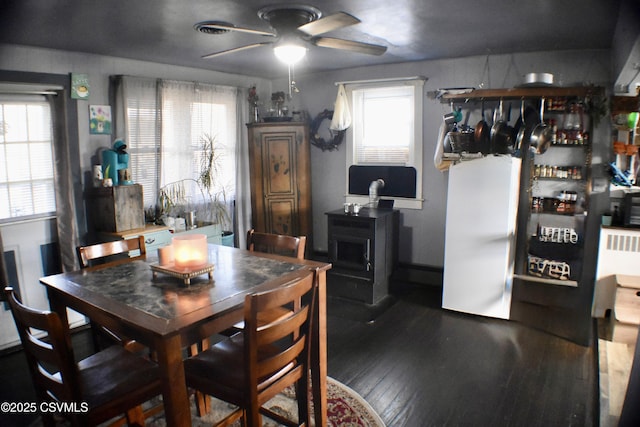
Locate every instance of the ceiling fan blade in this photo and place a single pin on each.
(215, 27)
(235, 49)
(328, 23)
(360, 47)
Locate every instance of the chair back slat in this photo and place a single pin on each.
(291, 324)
(285, 358)
(88, 255)
(276, 244)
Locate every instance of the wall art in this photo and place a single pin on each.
(100, 119)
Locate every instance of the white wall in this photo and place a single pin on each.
(24, 239)
(99, 68)
(422, 231)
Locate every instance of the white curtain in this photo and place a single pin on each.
(163, 123)
(137, 119)
(243, 183)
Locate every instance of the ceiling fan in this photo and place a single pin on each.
(294, 27)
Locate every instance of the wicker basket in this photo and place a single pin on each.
(463, 142)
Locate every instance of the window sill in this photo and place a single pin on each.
(399, 202)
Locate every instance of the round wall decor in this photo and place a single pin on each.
(317, 140)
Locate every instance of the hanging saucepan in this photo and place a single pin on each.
(502, 137)
(521, 130)
(529, 119)
(482, 134)
(541, 135)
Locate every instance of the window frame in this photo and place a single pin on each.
(25, 100)
(415, 152)
(201, 109)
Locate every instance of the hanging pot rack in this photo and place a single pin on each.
(478, 95)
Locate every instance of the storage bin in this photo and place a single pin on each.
(463, 142)
(626, 309)
(118, 208)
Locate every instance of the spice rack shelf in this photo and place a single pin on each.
(555, 178)
(555, 282)
(540, 298)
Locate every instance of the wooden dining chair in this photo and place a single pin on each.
(105, 385)
(279, 244)
(251, 367)
(276, 243)
(111, 253)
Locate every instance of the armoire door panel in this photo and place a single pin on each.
(282, 217)
(279, 160)
(280, 173)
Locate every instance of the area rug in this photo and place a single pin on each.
(345, 407)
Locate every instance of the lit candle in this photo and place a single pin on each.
(165, 255)
(190, 251)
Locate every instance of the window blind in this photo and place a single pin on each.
(26, 157)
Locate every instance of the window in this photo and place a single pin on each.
(387, 131)
(166, 122)
(26, 159)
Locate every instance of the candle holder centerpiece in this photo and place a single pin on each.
(190, 258)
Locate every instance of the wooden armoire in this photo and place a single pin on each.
(280, 178)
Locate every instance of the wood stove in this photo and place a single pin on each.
(363, 250)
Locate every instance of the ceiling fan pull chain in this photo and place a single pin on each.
(292, 83)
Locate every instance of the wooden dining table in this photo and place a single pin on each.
(168, 316)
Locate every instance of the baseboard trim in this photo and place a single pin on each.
(417, 275)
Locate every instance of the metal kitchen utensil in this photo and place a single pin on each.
(522, 130)
(190, 219)
(541, 136)
(482, 134)
(502, 137)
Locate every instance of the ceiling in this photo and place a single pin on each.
(413, 30)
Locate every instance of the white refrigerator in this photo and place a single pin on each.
(479, 253)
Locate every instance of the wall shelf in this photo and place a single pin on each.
(525, 92)
(546, 281)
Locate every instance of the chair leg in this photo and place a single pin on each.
(302, 397)
(253, 417)
(135, 416)
(203, 403)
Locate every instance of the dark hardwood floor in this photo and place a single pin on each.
(419, 365)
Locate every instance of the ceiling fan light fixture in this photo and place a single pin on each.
(289, 53)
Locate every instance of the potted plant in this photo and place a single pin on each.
(173, 197)
(216, 193)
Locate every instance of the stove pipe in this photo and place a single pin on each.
(373, 192)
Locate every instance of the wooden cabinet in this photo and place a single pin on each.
(156, 236)
(118, 208)
(280, 179)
